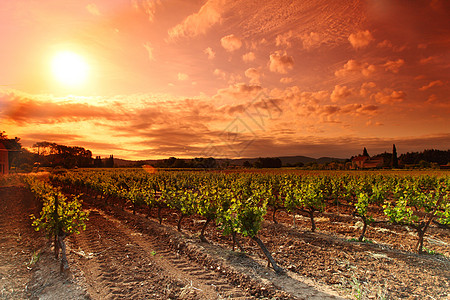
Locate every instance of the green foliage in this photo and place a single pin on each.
(361, 207)
(70, 216)
(417, 201)
(237, 202)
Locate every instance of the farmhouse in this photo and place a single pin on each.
(7, 148)
(4, 165)
(366, 162)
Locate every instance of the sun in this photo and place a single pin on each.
(69, 68)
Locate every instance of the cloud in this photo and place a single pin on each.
(93, 9)
(352, 68)
(388, 44)
(183, 76)
(280, 62)
(431, 84)
(294, 97)
(385, 44)
(254, 75)
(286, 80)
(248, 57)
(366, 87)
(147, 6)
(340, 92)
(394, 65)
(354, 109)
(199, 22)
(220, 73)
(231, 42)
(369, 84)
(372, 123)
(239, 91)
(22, 108)
(427, 60)
(360, 39)
(311, 40)
(283, 39)
(53, 137)
(149, 48)
(389, 96)
(210, 52)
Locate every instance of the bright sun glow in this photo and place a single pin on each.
(69, 68)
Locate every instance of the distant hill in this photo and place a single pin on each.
(285, 160)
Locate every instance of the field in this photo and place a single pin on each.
(143, 237)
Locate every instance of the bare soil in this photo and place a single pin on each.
(126, 256)
(28, 269)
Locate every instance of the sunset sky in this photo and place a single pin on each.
(157, 78)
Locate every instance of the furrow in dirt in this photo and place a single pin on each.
(118, 262)
(237, 269)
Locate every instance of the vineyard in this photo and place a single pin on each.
(367, 235)
(239, 202)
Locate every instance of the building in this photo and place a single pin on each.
(4, 160)
(358, 161)
(366, 162)
(8, 147)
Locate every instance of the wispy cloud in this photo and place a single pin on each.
(360, 39)
(93, 9)
(231, 42)
(182, 76)
(147, 6)
(280, 62)
(431, 84)
(388, 96)
(209, 51)
(149, 48)
(394, 65)
(198, 23)
(21, 108)
(284, 39)
(254, 75)
(248, 57)
(352, 68)
(340, 92)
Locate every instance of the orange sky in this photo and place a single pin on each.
(228, 78)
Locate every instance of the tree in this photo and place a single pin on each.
(53, 154)
(394, 157)
(98, 162)
(247, 164)
(365, 153)
(268, 162)
(109, 162)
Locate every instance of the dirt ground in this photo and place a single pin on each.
(28, 269)
(126, 256)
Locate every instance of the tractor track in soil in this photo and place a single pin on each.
(122, 255)
(126, 256)
(123, 263)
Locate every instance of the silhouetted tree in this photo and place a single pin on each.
(52, 154)
(394, 157)
(110, 162)
(98, 162)
(201, 162)
(439, 157)
(268, 162)
(247, 164)
(365, 153)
